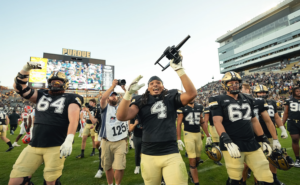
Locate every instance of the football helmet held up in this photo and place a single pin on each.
(231, 76)
(280, 159)
(213, 152)
(261, 89)
(58, 76)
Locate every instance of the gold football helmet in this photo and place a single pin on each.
(58, 76)
(280, 160)
(261, 89)
(213, 152)
(231, 76)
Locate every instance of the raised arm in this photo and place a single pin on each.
(20, 82)
(105, 95)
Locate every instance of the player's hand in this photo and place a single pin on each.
(232, 148)
(177, 66)
(33, 65)
(276, 144)
(208, 141)
(134, 86)
(66, 147)
(284, 134)
(180, 145)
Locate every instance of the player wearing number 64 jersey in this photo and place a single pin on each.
(237, 125)
(56, 121)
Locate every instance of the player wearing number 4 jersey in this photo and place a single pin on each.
(113, 136)
(157, 111)
(56, 121)
(191, 116)
(292, 114)
(236, 124)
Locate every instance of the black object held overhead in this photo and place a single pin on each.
(172, 53)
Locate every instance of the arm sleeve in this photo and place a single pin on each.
(264, 106)
(175, 97)
(76, 99)
(286, 102)
(206, 110)
(136, 101)
(275, 106)
(215, 107)
(179, 111)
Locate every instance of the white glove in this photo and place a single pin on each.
(66, 147)
(33, 65)
(180, 145)
(178, 67)
(276, 144)
(284, 134)
(208, 141)
(233, 150)
(267, 148)
(133, 87)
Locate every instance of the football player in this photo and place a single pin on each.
(191, 116)
(292, 114)
(56, 117)
(266, 112)
(215, 139)
(26, 124)
(236, 124)
(157, 110)
(92, 114)
(4, 120)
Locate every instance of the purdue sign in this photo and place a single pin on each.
(76, 53)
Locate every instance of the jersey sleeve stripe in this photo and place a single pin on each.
(213, 103)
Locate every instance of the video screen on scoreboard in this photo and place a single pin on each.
(81, 75)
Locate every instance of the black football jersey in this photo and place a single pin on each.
(237, 115)
(207, 111)
(51, 118)
(158, 116)
(191, 117)
(294, 108)
(260, 105)
(2, 118)
(94, 112)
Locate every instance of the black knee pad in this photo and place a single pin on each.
(25, 180)
(232, 182)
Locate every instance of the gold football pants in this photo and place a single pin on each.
(170, 166)
(32, 157)
(87, 130)
(193, 144)
(256, 161)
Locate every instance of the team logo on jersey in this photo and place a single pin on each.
(78, 100)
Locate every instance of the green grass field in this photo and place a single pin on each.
(82, 171)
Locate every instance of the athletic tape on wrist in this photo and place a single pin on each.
(180, 72)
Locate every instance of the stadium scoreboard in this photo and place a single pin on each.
(83, 72)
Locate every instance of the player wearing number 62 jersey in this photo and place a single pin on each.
(56, 121)
(292, 114)
(236, 124)
(191, 116)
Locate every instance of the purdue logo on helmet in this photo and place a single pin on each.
(279, 159)
(213, 152)
(231, 76)
(261, 89)
(58, 76)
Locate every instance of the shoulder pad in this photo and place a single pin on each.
(213, 102)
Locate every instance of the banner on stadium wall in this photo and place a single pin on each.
(37, 77)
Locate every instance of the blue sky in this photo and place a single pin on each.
(131, 35)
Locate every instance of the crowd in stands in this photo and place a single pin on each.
(279, 84)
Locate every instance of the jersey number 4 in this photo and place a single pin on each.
(160, 109)
(44, 104)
